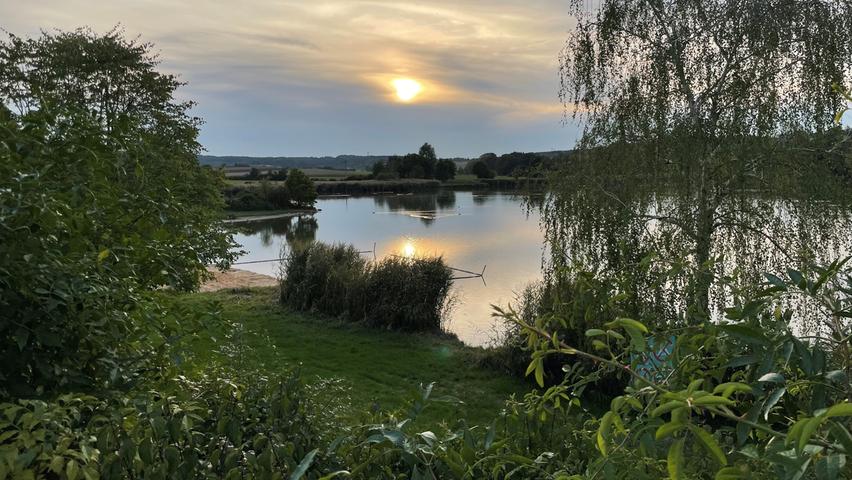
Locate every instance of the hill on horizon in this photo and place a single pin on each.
(350, 162)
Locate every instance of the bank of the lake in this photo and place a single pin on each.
(366, 186)
(470, 230)
(352, 367)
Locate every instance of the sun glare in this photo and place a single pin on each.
(407, 89)
(408, 249)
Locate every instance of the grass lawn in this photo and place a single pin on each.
(373, 368)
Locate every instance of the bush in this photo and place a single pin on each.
(396, 293)
(213, 427)
(325, 279)
(407, 294)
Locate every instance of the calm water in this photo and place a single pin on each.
(469, 229)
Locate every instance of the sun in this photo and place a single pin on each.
(408, 249)
(407, 89)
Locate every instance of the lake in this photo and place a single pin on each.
(471, 230)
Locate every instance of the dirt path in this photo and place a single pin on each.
(235, 278)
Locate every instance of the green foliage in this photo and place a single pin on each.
(98, 204)
(397, 293)
(515, 163)
(414, 165)
(445, 170)
(481, 170)
(301, 189)
(691, 112)
(212, 427)
(240, 198)
(85, 230)
(748, 397)
(512, 446)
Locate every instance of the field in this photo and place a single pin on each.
(359, 368)
(234, 174)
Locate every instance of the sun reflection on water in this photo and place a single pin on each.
(408, 249)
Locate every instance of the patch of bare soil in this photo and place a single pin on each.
(235, 278)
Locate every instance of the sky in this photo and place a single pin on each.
(315, 77)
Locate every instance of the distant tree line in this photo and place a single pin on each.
(423, 164)
(515, 164)
(275, 175)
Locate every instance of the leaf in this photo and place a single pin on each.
(630, 323)
(539, 372)
(72, 469)
(728, 388)
(840, 410)
(829, 467)
(772, 377)
(429, 437)
(733, 473)
(808, 430)
(603, 432)
(336, 474)
(707, 400)
(304, 465)
(594, 332)
(772, 400)
(842, 435)
(674, 462)
(796, 276)
(667, 407)
(774, 280)
(709, 443)
(637, 341)
(103, 255)
(668, 429)
(747, 334)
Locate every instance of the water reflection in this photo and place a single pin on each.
(296, 230)
(426, 208)
(459, 226)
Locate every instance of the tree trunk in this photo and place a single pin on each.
(704, 229)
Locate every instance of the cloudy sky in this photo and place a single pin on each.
(315, 77)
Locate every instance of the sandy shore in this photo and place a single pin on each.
(235, 278)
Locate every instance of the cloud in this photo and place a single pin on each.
(495, 60)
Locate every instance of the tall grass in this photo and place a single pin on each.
(393, 293)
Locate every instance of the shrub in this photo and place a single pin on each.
(407, 294)
(396, 293)
(325, 279)
(213, 427)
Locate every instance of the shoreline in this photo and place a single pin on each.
(235, 278)
(270, 216)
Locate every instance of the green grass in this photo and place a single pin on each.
(373, 368)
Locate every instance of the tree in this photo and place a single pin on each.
(102, 200)
(427, 152)
(481, 170)
(445, 169)
(688, 107)
(301, 188)
(428, 160)
(378, 168)
(116, 81)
